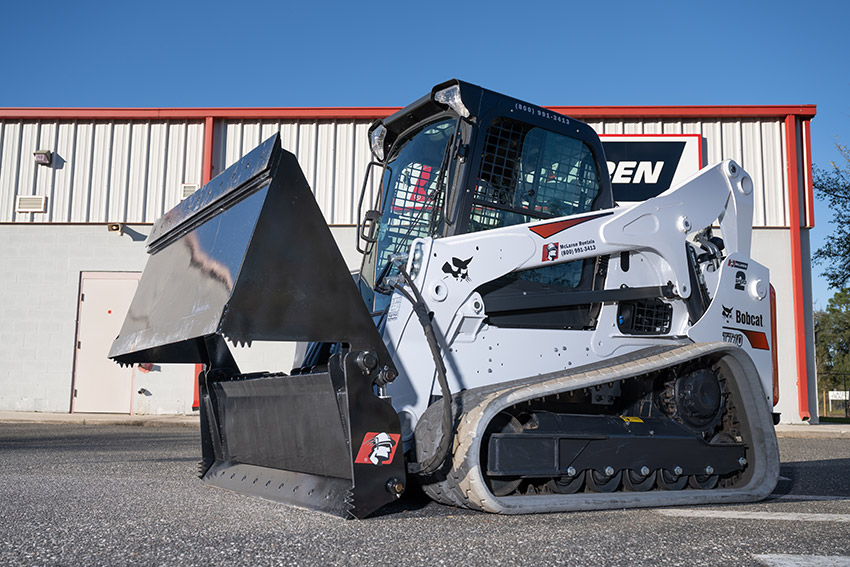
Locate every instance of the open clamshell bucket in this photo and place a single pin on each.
(249, 257)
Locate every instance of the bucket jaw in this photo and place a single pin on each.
(320, 440)
(249, 257)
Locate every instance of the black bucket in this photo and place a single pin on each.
(249, 257)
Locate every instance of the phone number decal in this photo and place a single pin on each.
(578, 247)
(536, 111)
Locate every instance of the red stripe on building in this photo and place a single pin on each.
(804, 111)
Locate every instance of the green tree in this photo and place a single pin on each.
(832, 343)
(833, 186)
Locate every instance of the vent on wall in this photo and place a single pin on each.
(30, 204)
(188, 189)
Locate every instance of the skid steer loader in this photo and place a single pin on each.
(514, 341)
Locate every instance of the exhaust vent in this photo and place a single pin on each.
(30, 204)
(188, 189)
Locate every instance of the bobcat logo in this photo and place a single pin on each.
(727, 312)
(460, 270)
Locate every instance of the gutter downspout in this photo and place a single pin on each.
(796, 265)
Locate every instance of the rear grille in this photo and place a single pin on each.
(646, 317)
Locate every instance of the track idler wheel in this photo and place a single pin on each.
(639, 481)
(669, 480)
(603, 481)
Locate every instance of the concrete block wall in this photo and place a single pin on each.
(39, 289)
(40, 283)
(39, 286)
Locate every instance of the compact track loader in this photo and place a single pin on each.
(514, 341)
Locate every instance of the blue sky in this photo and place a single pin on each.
(308, 53)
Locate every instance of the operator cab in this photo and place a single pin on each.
(464, 159)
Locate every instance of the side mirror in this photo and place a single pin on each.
(369, 226)
(375, 215)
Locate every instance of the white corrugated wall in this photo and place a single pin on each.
(133, 170)
(333, 155)
(758, 145)
(102, 171)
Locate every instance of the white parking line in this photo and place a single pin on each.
(809, 497)
(746, 515)
(804, 560)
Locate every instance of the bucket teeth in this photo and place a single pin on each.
(203, 466)
(239, 342)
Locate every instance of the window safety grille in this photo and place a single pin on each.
(535, 171)
(414, 204)
(529, 173)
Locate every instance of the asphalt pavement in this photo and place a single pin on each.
(83, 494)
(797, 431)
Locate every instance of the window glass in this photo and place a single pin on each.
(412, 200)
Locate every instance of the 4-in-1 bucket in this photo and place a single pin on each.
(249, 257)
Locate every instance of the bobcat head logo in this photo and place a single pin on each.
(727, 311)
(458, 269)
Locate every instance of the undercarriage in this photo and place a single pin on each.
(679, 431)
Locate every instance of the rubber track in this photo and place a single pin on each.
(460, 481)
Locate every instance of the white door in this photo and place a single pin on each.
(100, 385)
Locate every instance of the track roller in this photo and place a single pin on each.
(670, 480)
(603, 481)
(703, 481)
(639, 481)
(566, 484)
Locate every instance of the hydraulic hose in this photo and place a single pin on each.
(433, 463)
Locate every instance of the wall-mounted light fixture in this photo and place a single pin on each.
(43, 157)
(116, 227)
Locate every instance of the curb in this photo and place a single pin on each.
(103, 420)
(824, 431)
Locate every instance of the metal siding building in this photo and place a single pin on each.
(129, 166)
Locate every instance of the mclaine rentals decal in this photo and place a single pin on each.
(643, 166)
